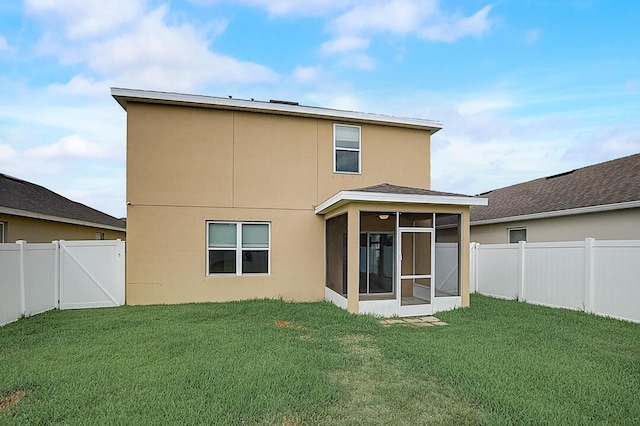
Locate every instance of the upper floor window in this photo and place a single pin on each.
(346, 149)
(238, 248)
(517, 235)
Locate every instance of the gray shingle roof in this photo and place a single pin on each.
(22, 195)
(611, 182)
(386, 188)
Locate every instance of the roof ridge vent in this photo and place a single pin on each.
(277, 101)
(561, 174)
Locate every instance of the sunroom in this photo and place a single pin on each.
(397, 251)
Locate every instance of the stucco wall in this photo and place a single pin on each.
(167, 254)
(44, 231)
(609, 225)
(188, 165)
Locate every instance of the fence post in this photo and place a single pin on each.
(472, 268)
(60, 273)
(56, 274)
(588, 274)
(521, 262)
(23, 292)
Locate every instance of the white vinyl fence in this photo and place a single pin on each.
(63, 274)
(601, 277)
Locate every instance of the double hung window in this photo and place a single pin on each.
(346, 147)
(238, 248)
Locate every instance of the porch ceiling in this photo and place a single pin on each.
(387, 193)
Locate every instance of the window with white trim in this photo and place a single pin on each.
(1, 232)
(238, 248)
(517, 234)
(346, 149)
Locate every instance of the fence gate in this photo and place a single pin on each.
(91, 274)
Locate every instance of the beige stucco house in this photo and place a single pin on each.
(601, 201)
(234, 199)
(36, 214)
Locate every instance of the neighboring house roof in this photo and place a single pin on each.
(388, 193)
(124, 96)
(22, 198)
(610, 185)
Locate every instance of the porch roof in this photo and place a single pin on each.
(388, 193)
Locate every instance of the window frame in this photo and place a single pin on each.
(519, 228)
(1, 232)
(238, 249)
(358, 150)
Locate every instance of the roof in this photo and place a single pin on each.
(388, 193)
(22, 198)
(610, 185)
(124, 96)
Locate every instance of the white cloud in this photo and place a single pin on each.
(305, 74)
(423, 18)
(394, 16)
(81, 86)
(145, 52)
(7, 153)
(290, 7)
(344, 44)
(353, 29)
(156, 55)
(3, 44)
(452, 28)
(69, 146)
(86, 18)
(604, 144)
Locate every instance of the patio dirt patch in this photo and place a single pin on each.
(427, 321)
(10, 399)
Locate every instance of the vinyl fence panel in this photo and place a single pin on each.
(554, 275)
(10, 292)
(40, 277)
(498, 270)
(616, 274)
(67, 274)
(602, 277)
(91, 274)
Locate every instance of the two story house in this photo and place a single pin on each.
(234, 199)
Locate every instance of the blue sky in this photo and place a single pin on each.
(525, 88)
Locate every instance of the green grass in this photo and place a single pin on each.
(499, 362)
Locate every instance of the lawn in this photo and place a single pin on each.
(271, 362)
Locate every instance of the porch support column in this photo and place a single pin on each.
(464, 256)
(353, 259)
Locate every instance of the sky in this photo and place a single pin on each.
(524, 88)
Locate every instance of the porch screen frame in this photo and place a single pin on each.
(399, 276)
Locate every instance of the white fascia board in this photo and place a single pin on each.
(344, 197)
(124, 95)
(557, 213)
(32, 215)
